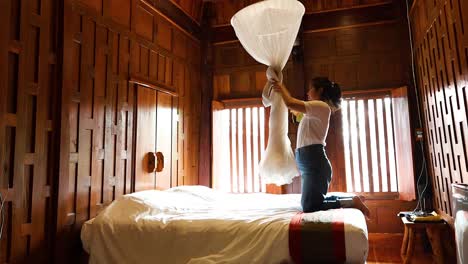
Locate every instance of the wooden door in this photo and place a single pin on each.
(154, 132)
(164, 138)
(145, 137)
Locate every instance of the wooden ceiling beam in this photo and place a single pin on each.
(174, 13)
(349, 17)
(328, 20)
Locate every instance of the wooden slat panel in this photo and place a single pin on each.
(20, 188)
(244, 148)
(238, 149)
(122, 102)
(252, 161)
(441, 46)
(39, 202)
(128, 98)
(25, 124)
(377, 145)
(351, 156)
(360, 147)
(85, 133)
(231, 148)
(385, 135)
(97, 169)
(369, 146)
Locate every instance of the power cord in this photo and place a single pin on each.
(423, 166)
(2, 200)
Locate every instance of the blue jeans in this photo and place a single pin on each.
(316, 175)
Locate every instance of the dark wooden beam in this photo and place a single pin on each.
(174, 13)
(206, 129)
(328, 20)
(349, 17)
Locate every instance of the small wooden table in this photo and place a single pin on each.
(433, 232)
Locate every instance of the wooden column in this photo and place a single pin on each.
(204, 169)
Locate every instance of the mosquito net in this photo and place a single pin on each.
(267, 30)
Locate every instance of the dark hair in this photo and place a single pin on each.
(331, 93)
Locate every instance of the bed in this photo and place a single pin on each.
(196, 224)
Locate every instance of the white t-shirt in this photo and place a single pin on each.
(313, 127)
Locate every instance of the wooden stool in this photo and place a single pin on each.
(433, 232)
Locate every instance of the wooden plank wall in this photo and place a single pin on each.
(441, 52)
(28, 72)
(67, 147)
(360, 58)
(106, 44)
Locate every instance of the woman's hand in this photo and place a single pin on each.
(291, 103)
(280, 88)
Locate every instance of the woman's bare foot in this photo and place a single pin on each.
(358, 204)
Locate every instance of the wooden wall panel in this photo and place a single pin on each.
(106, 55)
(97, 121)
(359, 58)
(144, 23)
(441, 51)
(101, 45)
(27, 126)
(236, 73)
(120, 12)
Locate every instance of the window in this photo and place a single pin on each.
(377, 143)
(239, 140)
(368, 143)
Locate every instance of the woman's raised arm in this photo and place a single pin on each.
(291, 102)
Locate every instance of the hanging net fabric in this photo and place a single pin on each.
(267, 30)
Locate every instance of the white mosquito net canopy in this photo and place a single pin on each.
(267, 30)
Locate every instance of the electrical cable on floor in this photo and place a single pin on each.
(423, 165)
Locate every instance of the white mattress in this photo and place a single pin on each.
(195, 224)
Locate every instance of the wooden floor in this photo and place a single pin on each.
(385, 248)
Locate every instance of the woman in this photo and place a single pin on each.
(324, 97)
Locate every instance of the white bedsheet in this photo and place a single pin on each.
(195, 224)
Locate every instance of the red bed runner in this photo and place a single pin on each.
(317, 237)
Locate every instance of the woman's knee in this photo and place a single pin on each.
(307, 208)
(311, 202)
